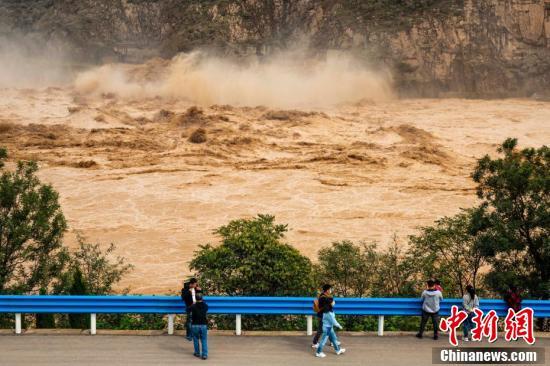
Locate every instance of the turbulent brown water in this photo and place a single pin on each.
(361, 166)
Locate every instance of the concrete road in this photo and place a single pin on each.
(224, 350)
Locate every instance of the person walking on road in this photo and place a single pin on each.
(329, 322)
(470, 302)
(199, 327)
(189, 296)
(430, 308)
(324, 299)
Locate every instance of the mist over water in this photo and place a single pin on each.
(286, 80)
(27, 62)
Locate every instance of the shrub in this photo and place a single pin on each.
(91, 266)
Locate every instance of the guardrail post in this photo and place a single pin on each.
(93, 329)
(171, 323)
(380, 325)
(238, 324)
(18, 323)
(309, 320)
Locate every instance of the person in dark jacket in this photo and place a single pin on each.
(513, 298)
(199, 327)
(188, 295)
(324, 299)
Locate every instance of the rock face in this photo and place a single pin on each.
(478, 48)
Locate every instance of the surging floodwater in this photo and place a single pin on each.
(324, 148)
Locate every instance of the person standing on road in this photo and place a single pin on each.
(470, 302)
(329, 322)
(199, 327)
(430, 308)
(324, 299)
(189, 296)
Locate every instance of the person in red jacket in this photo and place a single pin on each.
(438, 285)
(513, 298)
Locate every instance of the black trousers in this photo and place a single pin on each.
(188, 332)
(319, 330)
(435, 321)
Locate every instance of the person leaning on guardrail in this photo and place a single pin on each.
(512, 297)
(470, 302)
(325, 298)
(437, 286)
(188, 295)
(199, 327)
(430, 308)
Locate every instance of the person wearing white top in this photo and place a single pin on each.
(470, 302)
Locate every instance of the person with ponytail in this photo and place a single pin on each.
(470, 301)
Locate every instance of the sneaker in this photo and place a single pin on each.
(204, 357)
(340, 351)
(418, 335)
(196, 355)
(320, 354)
(466, 339)
(315, 345)
(436, 338)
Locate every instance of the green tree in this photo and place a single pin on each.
(448, 251)
(513, 220)
(349, 267)
(397, 274)
(31, 229)
(253, 260)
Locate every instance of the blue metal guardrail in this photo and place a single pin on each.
(239, 306)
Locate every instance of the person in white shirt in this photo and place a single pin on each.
(470, 301)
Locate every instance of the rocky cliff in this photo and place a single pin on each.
(479, 48)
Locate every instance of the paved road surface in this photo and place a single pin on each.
(224, 350)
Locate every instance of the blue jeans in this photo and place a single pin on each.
(468, 325)
(328, 333)
(200, 332)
